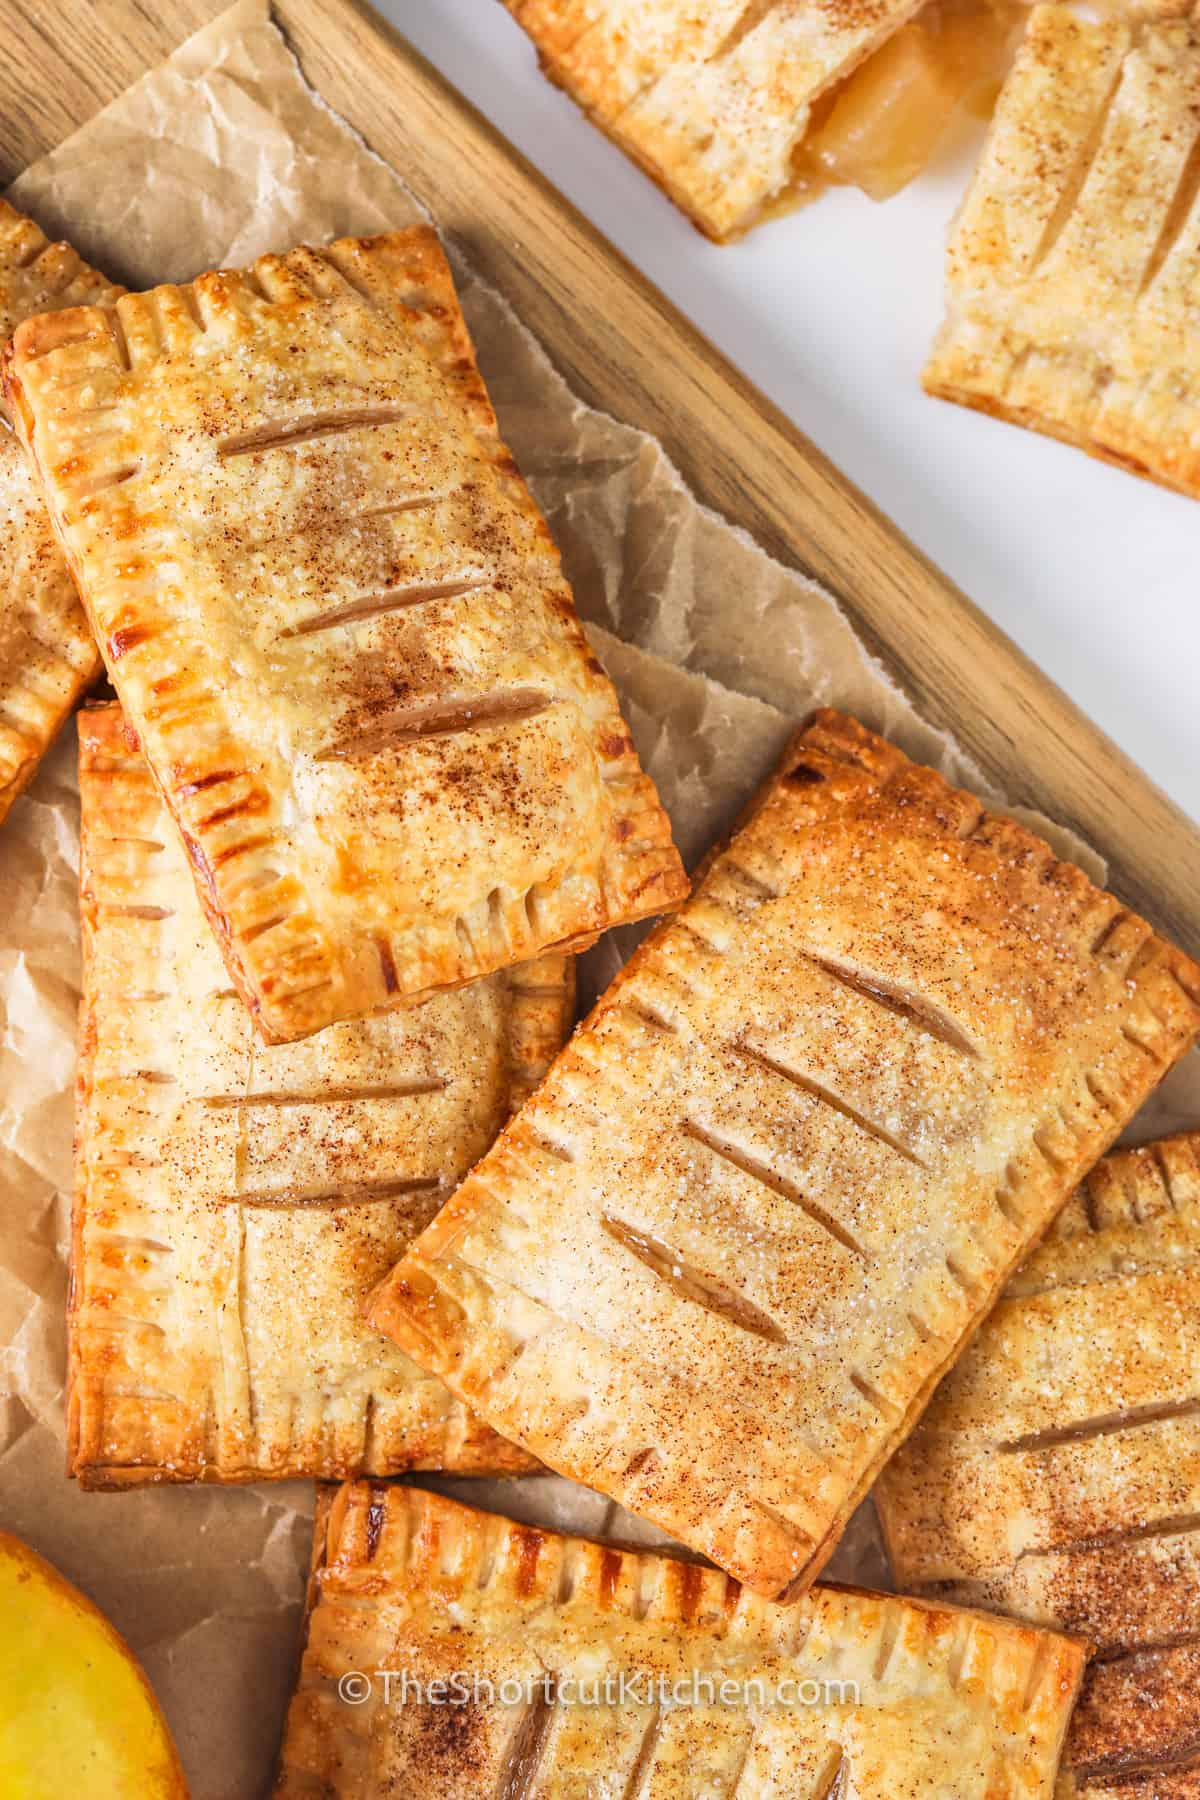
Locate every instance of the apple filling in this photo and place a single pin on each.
(882, 125)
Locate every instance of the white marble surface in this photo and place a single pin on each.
(830, 311)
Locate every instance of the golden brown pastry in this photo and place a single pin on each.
(848, 1693)
(713, 101)
(1072, 267)
(719, 1261)
(337, 621)
(47, 654)
(235, 1203)
(1056, 1474)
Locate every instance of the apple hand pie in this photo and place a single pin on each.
(338, 624)
(713, 101)
(1072, 268)
(719, 1261)
(611, 1658)
(235, 1203)
(1056, 1474)
(47, 655)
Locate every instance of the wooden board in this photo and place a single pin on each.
(623, 347)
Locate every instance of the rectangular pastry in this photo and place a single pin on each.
(235, 1203)
(1056, 1474)
(719, 1261)
(338, 624)
(1072, 268)
(713, 101)
(566, 1668)
(47, 654)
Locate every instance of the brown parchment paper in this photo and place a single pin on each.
(217, 156)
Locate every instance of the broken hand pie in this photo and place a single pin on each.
(863, 1694)
(1056, 1474)
(719, 1261)
(235, 1203)
(713, 101)
(1071, 272)
(338, 625)
(47, 654)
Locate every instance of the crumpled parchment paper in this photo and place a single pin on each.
(218, 155)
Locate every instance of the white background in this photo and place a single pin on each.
(831, 311)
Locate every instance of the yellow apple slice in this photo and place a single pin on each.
(77, 1715)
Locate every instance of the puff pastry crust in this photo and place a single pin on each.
(1056, 1474)
(720, 1260)
(235, 1202)
(915, 1700)
(1071, 271)
(338, 624)
(47, 653)
(711, 100)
